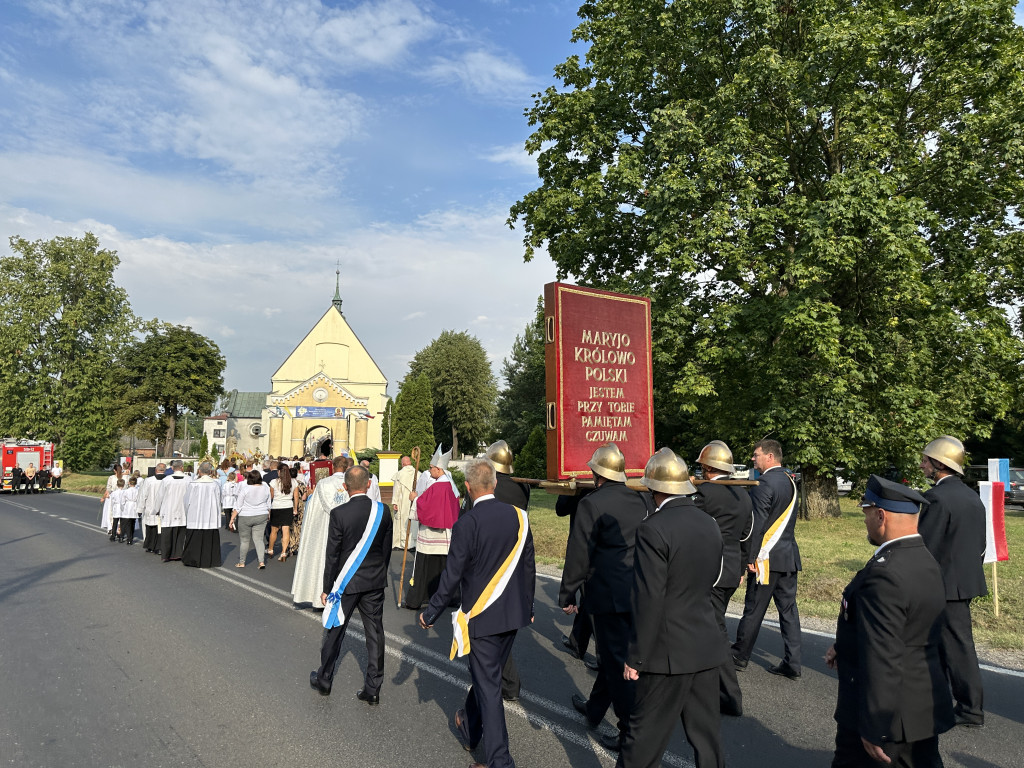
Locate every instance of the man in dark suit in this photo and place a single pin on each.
(732, 509)
(599, 558)
(578, 639)
(953, 528)
(893, 700)
(773, 562)
(484, 539)
(351, 524)
(677, 647)
(518, 495)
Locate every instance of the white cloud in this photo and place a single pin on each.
(514, 155)
(457, 264)
(269, 312)
(485, 74)
(374, 33)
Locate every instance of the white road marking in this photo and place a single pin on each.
(401, 652)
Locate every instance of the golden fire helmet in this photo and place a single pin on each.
(948, 451)
(609, 462)
(500, 455)
(667, 473)
(716, 454)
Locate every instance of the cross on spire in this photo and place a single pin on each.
(336, 301)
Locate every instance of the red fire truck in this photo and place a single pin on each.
(21, 453)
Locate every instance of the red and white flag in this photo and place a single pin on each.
(993, 496)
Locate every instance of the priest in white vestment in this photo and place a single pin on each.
(202, 520)
(404, 483)
(307, 583)
(172, 512)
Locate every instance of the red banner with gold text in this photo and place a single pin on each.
(598, 377)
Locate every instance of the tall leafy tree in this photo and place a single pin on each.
(821, 198)
(521, 403)
(64, 322)
(462, 385)
(171, 371)
(413, 414)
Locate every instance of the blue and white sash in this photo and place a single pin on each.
(332, 611)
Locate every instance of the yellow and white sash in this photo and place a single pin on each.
(494, 589)
(772, 536)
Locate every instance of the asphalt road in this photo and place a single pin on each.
(109, 657)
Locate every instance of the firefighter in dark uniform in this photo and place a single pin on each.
(893, 699)
(599, 558)
(732, 509)
(578, 639)
(953, 527)
(518, 495)
(677, 648)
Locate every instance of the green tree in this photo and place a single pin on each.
(521, 404)
(173, 370)
(462, 385)
(64, 322)
(215, 455)
(532, 460)
(413, 412)
(821, 198)
(204, 446)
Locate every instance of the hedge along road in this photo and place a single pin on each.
(111, 657)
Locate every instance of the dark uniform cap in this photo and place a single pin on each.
(892, 497)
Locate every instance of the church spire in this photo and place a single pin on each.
(336, 301)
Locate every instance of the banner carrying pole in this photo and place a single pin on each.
(995, 588)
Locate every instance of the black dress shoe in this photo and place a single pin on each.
(739, 663)
(731, 709)
(784, 670)
(316, 685)
(968, 722)
(369, 698)
(463, 730)
(580, 705)
(591, 664)
(610, 741)
(570, 647)
(512, 699)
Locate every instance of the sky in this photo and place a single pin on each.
(235, 152)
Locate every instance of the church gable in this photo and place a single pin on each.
(322, 391)
(333, 349)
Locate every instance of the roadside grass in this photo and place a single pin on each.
(89, 483)
(832, 551)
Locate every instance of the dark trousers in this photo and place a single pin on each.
(915, 754)
(55, 482)
(151, 540)
(485, 712)
(611, 633)
(172, 541)
(510, 682)
(127, 528)
(660, 699)
(730, 697)
(781, 588)
(582, 628)
(960, 660)
(371, 611)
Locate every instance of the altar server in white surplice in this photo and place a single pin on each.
(202, 520)
(307, 583)
(150, 510)
(172, 512)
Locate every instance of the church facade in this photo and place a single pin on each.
(329, 388)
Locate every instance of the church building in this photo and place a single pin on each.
(329, 387)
